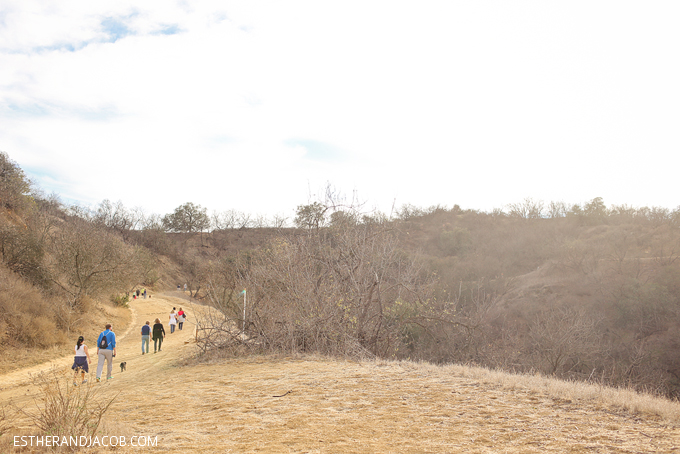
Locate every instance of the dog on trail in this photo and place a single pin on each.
(123, 366)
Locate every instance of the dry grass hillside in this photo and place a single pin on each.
(316, 404)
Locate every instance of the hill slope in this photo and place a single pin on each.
(339, 406)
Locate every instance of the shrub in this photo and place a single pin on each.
(66, 410)
(120, 300)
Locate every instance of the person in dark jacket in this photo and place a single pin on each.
(146, 335)
(158, 335)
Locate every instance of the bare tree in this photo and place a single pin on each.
(557, 210)
(224, 220)
(527, 209)
(564, 340)
(88, 261)
(279, 221)
(333, 290)
(243, 220)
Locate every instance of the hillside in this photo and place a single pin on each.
(579, 292)
(314, 404)
(591, 294)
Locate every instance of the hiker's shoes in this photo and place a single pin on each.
(98, 379)
(84, 381)
(75, 384)
(109, 378)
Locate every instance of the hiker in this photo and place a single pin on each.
(181, 318)
(81, 361)
(137, 292)
(146, 335)
(144, 293)
(173, 320)
(106, 351)
(158, 335)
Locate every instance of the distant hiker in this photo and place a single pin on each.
(185, 287)
(158, 335)
(181, 318)
(173, 320)
(178, 287)
(106, 351)
(138, 292)
(144, 293)
(146, 335)
(81, 360)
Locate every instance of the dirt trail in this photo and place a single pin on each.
(17, 385)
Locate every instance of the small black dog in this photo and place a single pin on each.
(123, 366)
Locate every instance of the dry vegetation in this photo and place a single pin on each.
(585, 293)
(307, 403)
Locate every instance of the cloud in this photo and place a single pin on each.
(477, 104)
(171, 29)
(115, 28)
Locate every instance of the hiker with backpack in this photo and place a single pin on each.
(181, 318)
(106, 351)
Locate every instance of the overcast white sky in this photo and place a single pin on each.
(256, 106)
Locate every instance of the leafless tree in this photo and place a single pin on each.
(86, 260)
(243, 220)
(224, 220)
(564, 340)
(334, 290)
(557, 210)
(527, 209)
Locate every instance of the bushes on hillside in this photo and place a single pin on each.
(330, 290)
(25, 316)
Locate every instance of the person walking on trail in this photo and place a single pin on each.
(158, 335)
(181, 318)
(106, 351)
(146, 335)
(173, 320)
(81, 361)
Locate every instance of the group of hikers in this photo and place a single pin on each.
(106, 346)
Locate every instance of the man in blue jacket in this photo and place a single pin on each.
(106, 350)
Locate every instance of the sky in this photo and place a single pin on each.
(259, 106)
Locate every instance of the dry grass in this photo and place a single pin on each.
(625, 400)
(92, 324)
(325, 405)
(62, 409)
